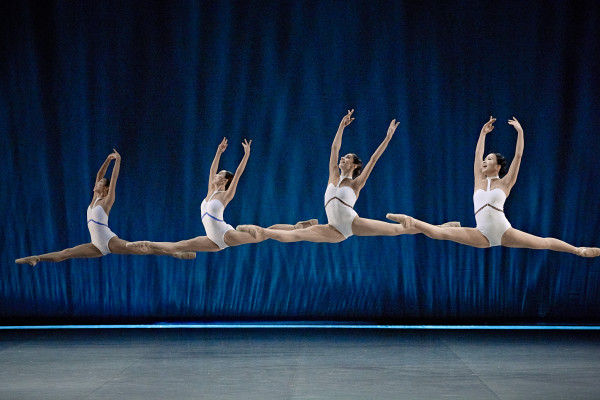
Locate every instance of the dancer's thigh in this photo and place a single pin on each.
(516, 238)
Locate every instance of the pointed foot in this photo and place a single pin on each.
(406, 221)
(31, 260)
(256, 231)
(185, 255)
(588, 251)
(306, 224)
(143, 246)
(450, 224)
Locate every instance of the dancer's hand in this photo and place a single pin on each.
(392, 128)
(488, 127)
(222, 146)
(246, 145)
(347, 119)
(114, 155)
(516, 124)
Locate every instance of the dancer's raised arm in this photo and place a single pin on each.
(478, 167)
(230, 192)
(110, 197)
(104, 167)
(360, 181)
(334, 172)
(215, 165)
(513, 171)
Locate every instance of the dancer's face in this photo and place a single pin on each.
(490, 165)
(220, 179)
(347, 164)
(101, 187)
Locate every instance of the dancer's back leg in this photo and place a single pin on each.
(86, 250)
(468, 236)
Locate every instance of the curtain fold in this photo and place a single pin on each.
(163, 83)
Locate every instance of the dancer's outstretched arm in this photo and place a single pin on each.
(111, 196)
(215, 165)
(478, 166)
(361, 180)
(230, 192)
(513, 171)
(104, 167)
(334, 172)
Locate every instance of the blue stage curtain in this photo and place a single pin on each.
(164, 82)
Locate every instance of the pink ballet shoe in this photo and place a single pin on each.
(306, 224)
(256, 231)
(588, 252)
(31, 260)
(143, 246)
(450, 224)
(185, 255)
(406, 221)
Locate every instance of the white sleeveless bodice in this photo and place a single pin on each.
(495, 197)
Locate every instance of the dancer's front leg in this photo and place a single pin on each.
(315, 233)
(200, 243)
(516, 238)
(117, 245)
(373, 227)
(239, 237)
(297, 225)
(469, 236)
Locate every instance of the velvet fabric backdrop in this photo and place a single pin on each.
(164, 82)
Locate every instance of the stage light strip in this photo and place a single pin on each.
(307, 326)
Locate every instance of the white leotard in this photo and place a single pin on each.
(97, 222)
(489, 213)
(338, 206)
(212, 219)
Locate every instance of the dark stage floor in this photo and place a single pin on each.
(298, 364)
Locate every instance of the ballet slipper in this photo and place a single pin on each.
(255, 231)
(406, 221)
(31, 260)
(143, 245)
(450, 224)
(588, 251)
(306, 224)
(185, 255)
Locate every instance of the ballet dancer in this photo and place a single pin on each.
(346, 180)
(104, 241)
(219, 235)
(492, 186)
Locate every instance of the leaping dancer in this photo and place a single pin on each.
(104, 241)
(219, 234)
(492, 186)
(346, 179)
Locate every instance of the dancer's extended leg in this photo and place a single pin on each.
(516, 238)
(117, 245)
(237, 238)
(200, 243)
(87, 250)
(372, 227)
(315, 233)
(468, 236)
(297, 225)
